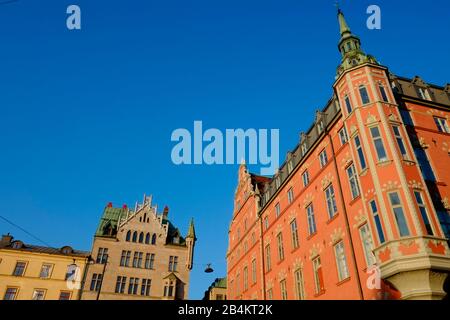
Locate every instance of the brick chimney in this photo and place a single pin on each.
(6, 239)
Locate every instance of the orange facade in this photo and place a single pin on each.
(355, 212)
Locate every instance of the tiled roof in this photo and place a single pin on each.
(65, 251)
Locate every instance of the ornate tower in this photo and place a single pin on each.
(409, 244)
(190, 243)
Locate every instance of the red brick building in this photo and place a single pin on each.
(363, 194)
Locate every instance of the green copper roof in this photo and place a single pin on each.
(191, 231)
(343, 26)
(110, 218)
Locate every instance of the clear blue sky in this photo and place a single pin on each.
(86, 116)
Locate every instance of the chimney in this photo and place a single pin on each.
(6, 239)
(125, 206)
(109, 205)
(165, 212)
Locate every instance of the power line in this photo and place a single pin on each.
(22, 229)
(8, 1)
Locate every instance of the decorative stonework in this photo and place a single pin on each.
(446, 148)
(360, 219)
(336, 236)
(413, 184)
(278, 229)
(446, 203)
(314, 251)
(269, 284)
(326, 181)
(369, 192)
(393, 117)
(298, 264)
(346, 160)
(282, 275)
(308, 199)
(353, 130)
(371, 119)
(423, 143)
(390, 185)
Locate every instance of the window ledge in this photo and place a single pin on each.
(363, 172)
(384, 163)
(333, 218)
(409, 162)
(319, 294)
(343, 281)
(311, 236)
(355, 200)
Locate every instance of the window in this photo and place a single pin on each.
(320, 127)
(154, 238)
(168, 289)
(378, 142)
(441, 124)
(423, 212)
(125, 258)
(65, 295)
(145, 287)
(96, 281)
(270, 294)
(283, 290)
(401, 145)
(277, 210)
(11, 294)
(268, 260)
(238, 284)
(367, 243)
(376, 218)
(245, 278)
(290, 195)
(424, 164)
(399, 215)
(141, 237)
(353, 180)
(290, 167)
(19, 270)
(294, 234)
(128, 237)
(254, 271)
(341, 261)
(46, 271)
(136, 263)
(266, 222)
(311, 219)
(323, 158)
(343, 137)
(305, 178)
(38, 294)
(120, 284)
(102, 255)
(133, 286)
(147, 238)
(318, 276)
(364, 95)
(277, 182)
(383, 93)
(304, 149)
(359, 150)
(348, 104)
(331, 201)
(149, 261)
(134, 236)
(299, 285)
(173, 263)
(406, 117)
(280, 247)
(423, 93)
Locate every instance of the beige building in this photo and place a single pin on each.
(217, 290)
(139, 254)
(30, 272)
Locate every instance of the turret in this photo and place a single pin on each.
(190, 242)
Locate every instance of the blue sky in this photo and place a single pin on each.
(87, 115)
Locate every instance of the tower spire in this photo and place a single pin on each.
(350, 47)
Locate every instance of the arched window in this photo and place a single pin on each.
(154, 238)
(128, 236)
(135, 236)
(145, 217)
(141, 237)
(147, 238)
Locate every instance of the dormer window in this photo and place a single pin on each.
(304, 149)
(290, 166)
(277, 182)
(17, 245)
(320, 127)
(423, 93)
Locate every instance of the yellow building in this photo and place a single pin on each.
(29, 272)
(217, 290)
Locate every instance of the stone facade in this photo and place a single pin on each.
(139, 254)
